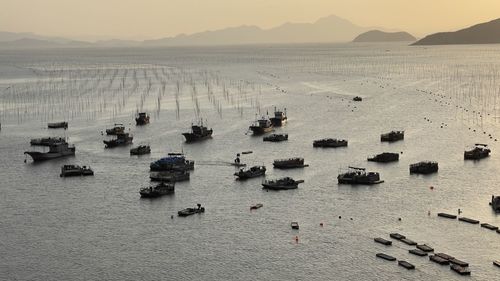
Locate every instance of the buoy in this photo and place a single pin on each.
(321, 224)
(428, 213)
(172, 216)
(399, 219)
(431, 187)
(340, 217)
(297, 239)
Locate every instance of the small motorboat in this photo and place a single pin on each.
(424, 167)
(75, 170)
(479, 151)
(495, 203)
(117, 129)
(121, 139)
(140, 150)
(158, 190)
(142, 118)
(357, 98)
(198, 132)
(58, 125)
(282, 184)
(276, 138)
(191, 211)
(392, 136)
(256, 206)
(329, 142)
(289, 163)
(253, 172)
(294, 225)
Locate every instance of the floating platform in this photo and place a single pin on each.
(397, 236)
(448, 216)
(383, 241)
(497, 263)
(444, 256)
(459, 262)
(408, 242)
(468, 220)
(425, 248)
(489, 226)
(417, 252)
(385, 257)
(439, 260)
(460, 270)
(406, 265)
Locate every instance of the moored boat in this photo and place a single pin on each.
(495, 203)
(279, 118)
(198, 132)
(142, 118)
(329, 142)
(479, 151)
(116, 130)
(356, 175)
(281, 184)
(140, 150)
(276, 137)
(170, 176)
(121, 139)
(46, 141)
(261, 126)
(256, 206)
(75, 170)
(392, 136)
(289, 163)
(173, 161)
(253, 172)
(191, 211)
(357, 98)
(384, 157)
(158, 190)
(58, 125)
(56, 150)
(424, 167)
(294, 225)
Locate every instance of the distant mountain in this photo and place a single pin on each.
(381, 36)
(328, 29)
(484, 33)
(13, 36)
(28, 43)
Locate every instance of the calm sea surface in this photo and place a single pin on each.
(98, 228)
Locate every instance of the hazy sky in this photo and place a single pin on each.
(144, 19)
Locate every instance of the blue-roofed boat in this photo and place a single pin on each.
(173, 162)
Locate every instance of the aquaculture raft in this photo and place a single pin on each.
(468, 220)
(448, 216)
(383, 241)
(385, 257)
(406, 265)
(417, 252)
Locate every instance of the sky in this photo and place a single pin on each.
(149, 19)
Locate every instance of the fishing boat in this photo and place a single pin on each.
(424, 167)
(356, 175)
(191, 211)
(281, 184)
(279, 118)
(253, 172)
(75, 170)
(495, 203)
(56, 150)
(276, 137)
(142, 118)
(357, 98)
(261, 126)
(294, 225)
(289, 163)
(170, 176)
(198, 132)
(392, 136)
(329, 142)
(58, 125)
(120, 140)
(479, 151)
(256, 206)
(158, 190)
(140, 150)
(384, 157)
(46, 141)
(173, 162)
(116, 130)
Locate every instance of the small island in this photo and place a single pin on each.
(381, 36)
(484, 33)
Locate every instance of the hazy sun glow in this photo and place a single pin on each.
(146, 19)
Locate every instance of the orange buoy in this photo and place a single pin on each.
(296, 238)
(431, 187)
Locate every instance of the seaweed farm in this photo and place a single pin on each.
(442, 100)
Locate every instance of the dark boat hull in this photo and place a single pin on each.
(257, 130)
(190, 137)
(280, 187)
(278, 122)
(141, 121)
(40, 156)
